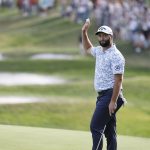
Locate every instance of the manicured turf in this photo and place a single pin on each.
(31, 138)
(22, 37)
(66, 102)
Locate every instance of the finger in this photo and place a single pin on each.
(109, 112)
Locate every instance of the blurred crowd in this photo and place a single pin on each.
(29, 7)
(77, 10)
(129, 19)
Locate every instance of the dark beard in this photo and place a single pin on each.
(105, 44)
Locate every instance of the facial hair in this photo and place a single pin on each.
(105, 43)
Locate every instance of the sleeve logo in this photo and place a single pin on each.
(117, 68)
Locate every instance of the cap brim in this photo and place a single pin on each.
(102, 32)
(97, 33)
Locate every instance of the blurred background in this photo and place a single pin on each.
(46, 80)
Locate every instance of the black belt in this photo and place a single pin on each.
(104, 91)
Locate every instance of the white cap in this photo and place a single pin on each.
(104, 29)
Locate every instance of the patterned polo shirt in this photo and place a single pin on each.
(108, 63)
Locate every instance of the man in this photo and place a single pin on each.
(109, 70)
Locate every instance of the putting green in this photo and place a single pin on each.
(33, 138)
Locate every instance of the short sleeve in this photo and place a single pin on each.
(94, 51)
(118, 64)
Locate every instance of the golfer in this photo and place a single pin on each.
(109, 70)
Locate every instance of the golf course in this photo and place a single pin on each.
(59, 118)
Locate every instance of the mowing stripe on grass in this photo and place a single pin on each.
(33, 138)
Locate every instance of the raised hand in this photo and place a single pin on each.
(86, 25)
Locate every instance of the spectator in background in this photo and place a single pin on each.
(44, 6)
(77, 10)
(63, 5)
(34, 6)
(146, 25)
(26, 9)
(83, 10)
(138, 41)
(133, 26)
(100, 5)
(7, 3)
(19, 4)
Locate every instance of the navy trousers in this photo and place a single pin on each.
(103, 122)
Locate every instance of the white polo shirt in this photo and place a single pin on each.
(108, 63)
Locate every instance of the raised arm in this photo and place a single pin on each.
(85, 39)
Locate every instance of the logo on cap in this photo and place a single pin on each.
(102, 28)
(105, 29)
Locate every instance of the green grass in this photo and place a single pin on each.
(28, 138)
(67, 102)
(56, 115)
(38, 34)
(22, 37)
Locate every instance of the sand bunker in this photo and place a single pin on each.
(2, 57)
(16, 79)
(18, 100)
(53, 56)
